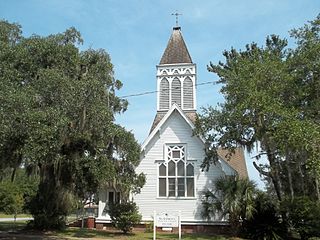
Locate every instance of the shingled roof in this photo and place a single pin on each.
(176, 51)
(236, 160)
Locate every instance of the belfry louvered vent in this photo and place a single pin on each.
(164, 94)
(176, 92)
(187, 94)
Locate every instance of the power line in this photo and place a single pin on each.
(166, 89)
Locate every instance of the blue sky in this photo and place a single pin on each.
(135, 34)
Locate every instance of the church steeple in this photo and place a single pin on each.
(176, 50)
(176, 75)
(176, 78)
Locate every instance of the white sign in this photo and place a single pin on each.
(166, 220)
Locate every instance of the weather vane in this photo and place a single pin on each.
(177, 16)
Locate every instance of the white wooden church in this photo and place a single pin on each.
(171, 156)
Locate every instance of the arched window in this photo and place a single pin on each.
(164, 94)
(162, 180)
(176, 91)
(176, 175)
(187, 94)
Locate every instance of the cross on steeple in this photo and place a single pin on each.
(177, 16)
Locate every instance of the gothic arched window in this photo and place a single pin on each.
(176, 92)
(176, 175)
(187, 93)
(164, 94)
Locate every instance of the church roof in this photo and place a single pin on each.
(176, 51)
(235, 160)
(163, 119)
(192, 115)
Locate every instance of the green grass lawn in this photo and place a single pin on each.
(3, 215)
(74, 233)
(101, 234)
(10, 226)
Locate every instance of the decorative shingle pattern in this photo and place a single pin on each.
(176, 51)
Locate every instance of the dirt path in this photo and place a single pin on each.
(23, 236)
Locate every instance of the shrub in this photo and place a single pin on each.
(265, 223)
(304, 216)
(232, 198)
(149, 227)
(11, 198)
(124, 216)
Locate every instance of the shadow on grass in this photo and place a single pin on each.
(87, 234)
(10, 226)
(22, 233)
(189, 236)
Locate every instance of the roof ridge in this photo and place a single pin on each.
(164, 119)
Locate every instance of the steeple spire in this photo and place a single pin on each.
(176, 50)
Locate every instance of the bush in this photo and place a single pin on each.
(149, 227)
(304, 216)
(265, 223)
(11, 198)
(232, 198)
(15, 196)
(124, 216)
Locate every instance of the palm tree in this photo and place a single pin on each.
(232, 198)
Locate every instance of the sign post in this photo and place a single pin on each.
(179, 225)
(166, 220)
(154, 224)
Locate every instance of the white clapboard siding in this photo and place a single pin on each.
(174, 130)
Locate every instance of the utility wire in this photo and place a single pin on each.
(165, 89)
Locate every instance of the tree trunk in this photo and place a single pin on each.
(13, 175)
(266, 144)
(275, 175)
(317, 187)
(15, 220)
(302, 180)
(49, 200)
(82, 219)
(287, 160)
(274, 166)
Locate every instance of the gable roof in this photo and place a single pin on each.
(154, 131)
(236, 160)
(190, 114)
(176, 50)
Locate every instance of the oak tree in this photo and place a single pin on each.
(271, 98)
(57, 119)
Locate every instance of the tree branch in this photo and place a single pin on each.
(261, 171)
